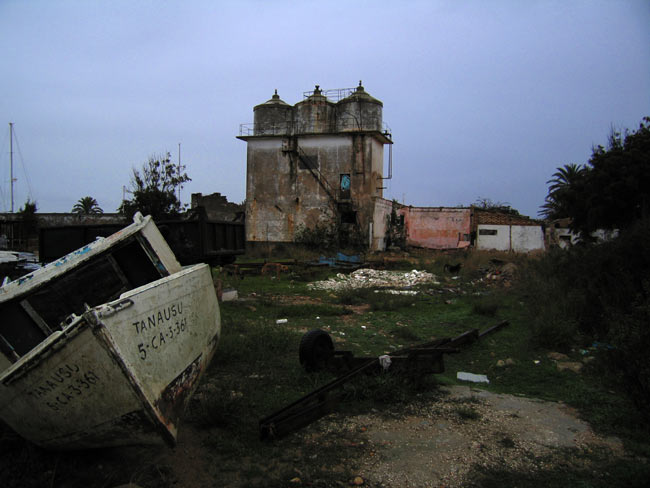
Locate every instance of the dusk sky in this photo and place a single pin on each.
(485, 98)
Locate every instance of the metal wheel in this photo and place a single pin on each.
(316, 348)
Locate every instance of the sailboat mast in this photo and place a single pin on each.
(179, 172)
(11, 162)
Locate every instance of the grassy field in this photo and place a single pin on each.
(256, 372)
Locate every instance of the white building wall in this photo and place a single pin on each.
(517, 238)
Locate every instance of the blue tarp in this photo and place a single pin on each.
(341, 260)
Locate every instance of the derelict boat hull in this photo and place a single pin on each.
(121, 373)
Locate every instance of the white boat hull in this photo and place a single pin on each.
(121, 373)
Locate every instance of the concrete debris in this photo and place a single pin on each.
(229, 295)
(400, 292)
(557, 356)
(509, 270)
(569, 366)
(372, 278)
(499, 271)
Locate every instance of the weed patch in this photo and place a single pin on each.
(486, 306)
(382, 300)
(568, 467)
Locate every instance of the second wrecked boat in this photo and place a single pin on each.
(104, 346)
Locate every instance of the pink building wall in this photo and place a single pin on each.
(437, 227)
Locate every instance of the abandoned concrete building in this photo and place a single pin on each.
(321, 162)
(318, 162)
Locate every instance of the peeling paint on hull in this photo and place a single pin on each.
(121, 373)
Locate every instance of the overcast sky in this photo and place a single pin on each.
(485, 99)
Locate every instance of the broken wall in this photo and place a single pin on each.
(437, 227)
(217, 206)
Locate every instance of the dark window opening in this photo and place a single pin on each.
(348, 217)
(487, 232)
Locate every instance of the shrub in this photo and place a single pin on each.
(597, 292)
(628, 352)
(320, 237)
(487, 307)
(331, 237)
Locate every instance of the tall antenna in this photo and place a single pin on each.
(11, 162)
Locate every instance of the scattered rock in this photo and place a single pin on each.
(571, 366)
(557, 356)
(357, 481)
(295, 481)
(509, 270)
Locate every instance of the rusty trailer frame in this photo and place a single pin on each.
(413, 361)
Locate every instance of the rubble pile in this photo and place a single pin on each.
(373, 278)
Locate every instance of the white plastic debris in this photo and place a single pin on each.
(281, 321)
(474, 378)
(385, 361)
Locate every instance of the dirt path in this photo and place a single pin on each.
(431, 444)
(437, 444)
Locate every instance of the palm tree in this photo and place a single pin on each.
(565, 176)
(87, 206)
(564, 180)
